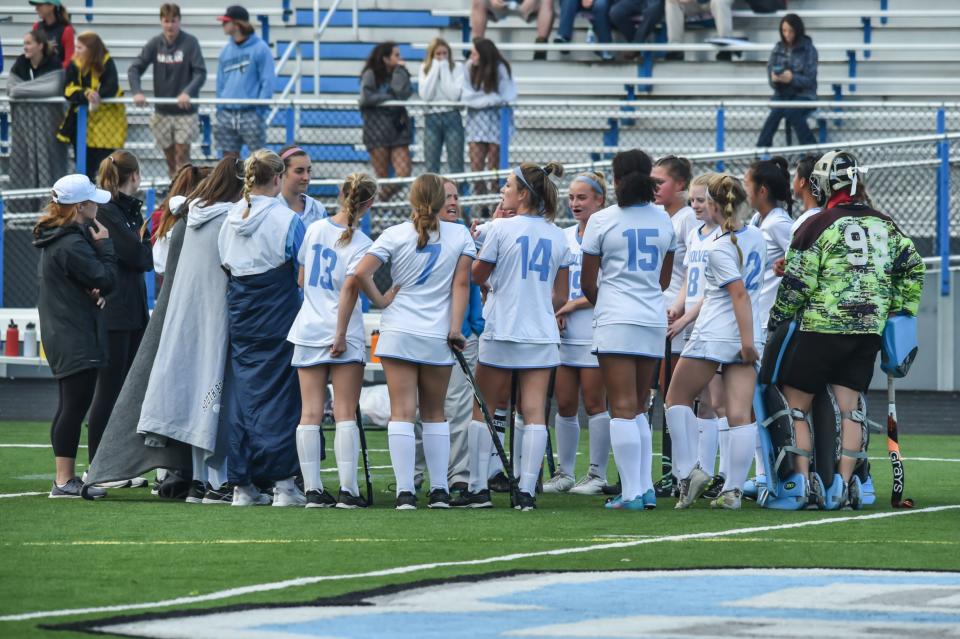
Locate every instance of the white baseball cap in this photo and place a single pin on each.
(76, 188)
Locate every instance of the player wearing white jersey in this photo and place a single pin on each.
(422, 319)
(579, 369)
(294, 185)
(724, 334)
(525, 260)
(803, 194)
(329, 343)
(633, 244)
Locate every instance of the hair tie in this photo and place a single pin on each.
(292, 151)
(589, 180)
(110, 157)
(519, 174)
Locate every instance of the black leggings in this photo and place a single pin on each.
(121, 349)
(76, 393)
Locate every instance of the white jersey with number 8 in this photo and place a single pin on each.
(698, 249)
(424, 275)
(527, 251)
(632, 243)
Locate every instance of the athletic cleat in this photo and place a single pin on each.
(138, 482)
(467, 499)
(71, 490)
(612, 489)
(684, 491)
(348, 501)
(250, 496)
(196, 492)
(499, 483)
(649, 500)
(715, 488)
(666, 487)
(852, 495)
(439, 498)
(559, 483)
(316, 499)
(816, 498)
(406, 501)
(525, 502)
(697, 482)
(753, 487)
(728, 499)
(291, 497)
(222, 495)
(589, 485)
(613, 503)
(458, 487)
(155, 487)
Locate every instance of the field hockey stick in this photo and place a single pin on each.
(507, 468)
(366, 457)
(512, 414)
(551, 465)
(893, 449)
(666, 459)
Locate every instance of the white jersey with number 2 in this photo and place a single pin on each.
(632, 243)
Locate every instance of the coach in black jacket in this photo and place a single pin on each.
(77, 266)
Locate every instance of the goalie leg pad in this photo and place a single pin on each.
(779, 423)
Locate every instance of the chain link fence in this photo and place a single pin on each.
(904, 178)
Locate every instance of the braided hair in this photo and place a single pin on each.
(427, 197)
(728, 194)
(357, 189)
(259, 170)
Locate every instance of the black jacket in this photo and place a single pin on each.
(127, 305)
(72, 328)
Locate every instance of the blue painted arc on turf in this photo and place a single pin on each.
(672, 595)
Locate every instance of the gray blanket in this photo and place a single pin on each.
(122, 453)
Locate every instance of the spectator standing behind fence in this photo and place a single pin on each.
(599, 11)
(387, 131)
(126, 310)
(540, 10)
(488, 85)
(36, 158)
(55, 23)
(441, 79)
(92, 76)
(624, 16)
(178, 72)
(245, 72)
(792, 70)
(679, 10)
(77, 266)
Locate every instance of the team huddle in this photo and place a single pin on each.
(676, 268)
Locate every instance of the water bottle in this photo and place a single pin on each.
(12, 346)
(591, 36)
(30, 340)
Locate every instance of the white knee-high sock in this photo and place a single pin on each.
(684, 434)
(308, 450)
(403, 453)
(707, 448)
(742, 441)
(518, 433)
(627, 453)
(198, 456)
(568, 440)
(479, 445)
(500, 425)
(599, 425)
(534, 447)
(217, 475)
(436, 448)
(345, 446)
(646, 452)
(723, 437)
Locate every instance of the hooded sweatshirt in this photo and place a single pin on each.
(269, 236)
(245, 72)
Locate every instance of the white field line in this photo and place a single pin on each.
(8, 495)
(405, 570)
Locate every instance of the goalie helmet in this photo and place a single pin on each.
(833, 172)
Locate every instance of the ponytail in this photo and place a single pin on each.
(774, 174)
(357, 190)
(535, 180)
(728, 194)
(259, 169)
(427, 197)
(631, 178)
(116, 170)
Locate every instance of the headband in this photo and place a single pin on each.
(589, 180)
(523, 180)
(292, 151)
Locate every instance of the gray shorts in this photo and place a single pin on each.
(234, 128)
(171, 129)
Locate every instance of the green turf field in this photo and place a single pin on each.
(132, 548)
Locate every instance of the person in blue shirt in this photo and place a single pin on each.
(245, 71)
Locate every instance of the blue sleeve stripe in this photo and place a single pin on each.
(730, 281)
(483, 259)
(583, 250)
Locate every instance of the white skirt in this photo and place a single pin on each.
(714, 351)
(305, 356)
(630, 339)
(677, 343)
(577, 356)
(513, 355)
(417, 349)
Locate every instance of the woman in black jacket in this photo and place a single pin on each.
(77, 267)
(126, 310)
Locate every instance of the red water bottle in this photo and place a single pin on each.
(12, 348)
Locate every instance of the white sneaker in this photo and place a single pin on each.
(283, 497)
(589, 485)
(697, 482)
(728, 499)
(123, 483)
(138, 482)
(249, 496)
(559, 483)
